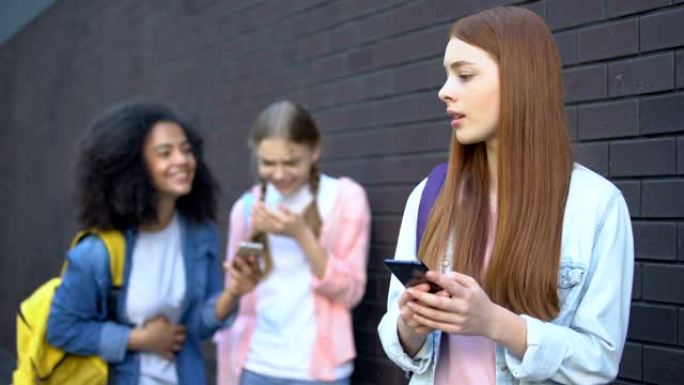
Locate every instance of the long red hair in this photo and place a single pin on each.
(534, 167)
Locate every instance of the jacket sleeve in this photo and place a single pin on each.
(589, 349)
(387, 329)
(77, 321)
(344, 279)
(209, 323)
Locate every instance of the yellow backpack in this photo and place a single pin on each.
(38, 362)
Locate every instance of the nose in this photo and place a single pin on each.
(181, 157)
(278, 173)
(447, 93)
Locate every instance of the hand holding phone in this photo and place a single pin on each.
(249, 249)
(244, 269)
(411, 273)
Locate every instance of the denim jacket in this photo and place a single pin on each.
(584, 343)
(79, 322)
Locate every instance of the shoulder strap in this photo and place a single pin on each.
(428, 197)
(115, 243)
(247, 203)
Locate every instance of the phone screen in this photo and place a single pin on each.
(410, 273)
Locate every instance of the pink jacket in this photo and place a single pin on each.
(345, 235)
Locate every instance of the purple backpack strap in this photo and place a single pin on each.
(427, 199)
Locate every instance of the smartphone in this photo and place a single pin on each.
(249, 248)
(245, 249)
(411, 273)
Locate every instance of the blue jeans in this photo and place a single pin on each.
(251, 378)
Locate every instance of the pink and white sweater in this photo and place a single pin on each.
(345, 235)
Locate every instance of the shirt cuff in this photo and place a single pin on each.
(389, 336)
(114, 341)
(541, 360)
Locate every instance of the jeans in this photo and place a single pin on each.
(251, 378)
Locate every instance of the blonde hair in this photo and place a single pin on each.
(288, 120)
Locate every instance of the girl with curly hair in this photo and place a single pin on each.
(141, 171)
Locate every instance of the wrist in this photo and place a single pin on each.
(229, 297)
(502, 323)
(226, 303)
(137, 339)
(409, 339)
(302, 233)
(493, 329)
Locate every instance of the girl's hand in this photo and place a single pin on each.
(465, 310)
(407, 322)
(160, 336)
(279, 221)
(412, 333)
(244, 273)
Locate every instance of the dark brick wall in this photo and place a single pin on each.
(369, 71)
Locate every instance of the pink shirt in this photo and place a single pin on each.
(469, 360)
(345, 235)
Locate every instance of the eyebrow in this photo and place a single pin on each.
(457, 64)
(167, 145)
(286, 160)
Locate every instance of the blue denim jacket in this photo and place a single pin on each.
(583, 345)
(79, 323)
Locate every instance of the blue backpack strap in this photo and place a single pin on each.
(427, 199)
(247, 203)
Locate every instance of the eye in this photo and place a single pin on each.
(465, 77)
(164, 153)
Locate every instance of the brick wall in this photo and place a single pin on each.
(369, 71)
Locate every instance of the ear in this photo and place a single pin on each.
(316, 151)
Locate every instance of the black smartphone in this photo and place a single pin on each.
(411, 273)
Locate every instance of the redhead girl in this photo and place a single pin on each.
(295, 326)
(533, 252)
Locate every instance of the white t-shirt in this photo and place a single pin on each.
(157, 288)
(285, 330)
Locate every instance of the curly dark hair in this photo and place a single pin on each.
(113, 186)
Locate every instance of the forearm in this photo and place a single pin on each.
(317, 256)
(509, 330)
(410, 341)
(225, 304)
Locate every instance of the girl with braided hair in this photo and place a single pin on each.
(295, 326)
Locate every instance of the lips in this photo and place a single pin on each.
(283, 187)
(456, 118)
(181, 176)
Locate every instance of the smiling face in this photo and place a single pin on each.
(170, 160)
(285, 164)
(471, 92)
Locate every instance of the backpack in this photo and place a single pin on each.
(427, 199)
(38, 362)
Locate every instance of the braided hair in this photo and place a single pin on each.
(288, 120)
